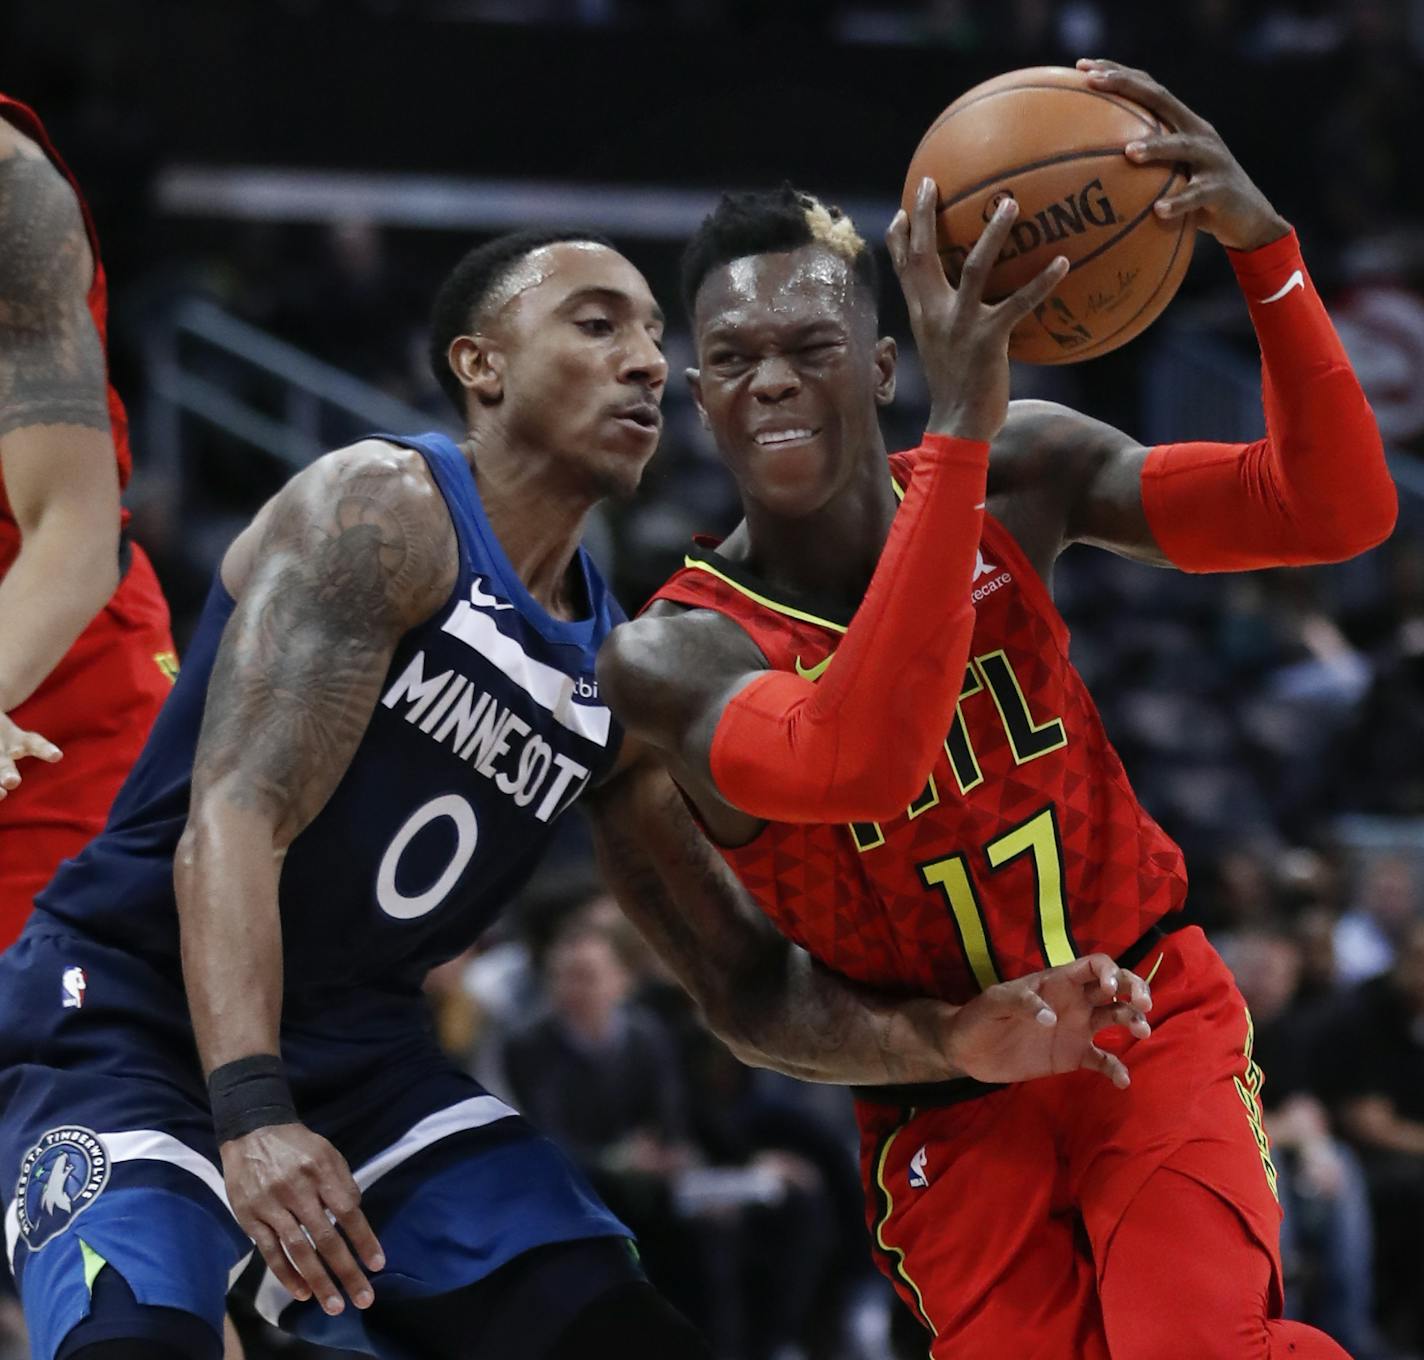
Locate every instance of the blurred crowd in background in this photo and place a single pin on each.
(1274, 723)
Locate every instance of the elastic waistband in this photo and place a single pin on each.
(936, 1095)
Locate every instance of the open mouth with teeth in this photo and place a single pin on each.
(775, 439)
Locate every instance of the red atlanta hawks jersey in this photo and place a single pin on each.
(27, 121)
(1026, 848)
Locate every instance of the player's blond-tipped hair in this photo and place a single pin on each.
(832, 228)
(767, 222)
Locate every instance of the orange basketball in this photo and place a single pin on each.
(1053, 143)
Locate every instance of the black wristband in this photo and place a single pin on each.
(249, 1094)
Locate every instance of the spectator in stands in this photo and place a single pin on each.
(1386, 905)
(1326, 1238)
(1376, 1073)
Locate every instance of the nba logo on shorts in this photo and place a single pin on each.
(918, 1179)
(72, 984)
(61, 1176)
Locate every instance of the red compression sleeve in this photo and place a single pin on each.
(1316, 488)
(859, 744)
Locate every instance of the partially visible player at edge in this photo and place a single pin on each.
(86, 658)
(388, 702)
(873, 709)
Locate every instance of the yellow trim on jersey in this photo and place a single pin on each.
(1039, 837)
(929, 798)
(951, 876)
(167, 662)
(692, 564)
(1250, 1093)
(864, 845)
(1035, 729)
(1155, 967)
(899, 1263)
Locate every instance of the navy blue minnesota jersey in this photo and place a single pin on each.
(489, 726)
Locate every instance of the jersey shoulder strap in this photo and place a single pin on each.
(782, 625)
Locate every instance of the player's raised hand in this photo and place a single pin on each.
(1044, 1023)
(963, 340)
(1222, 195)
(15, 745)
(290, 1191)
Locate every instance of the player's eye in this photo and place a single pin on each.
(595, 325)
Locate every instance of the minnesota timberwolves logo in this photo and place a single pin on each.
(60, 1177)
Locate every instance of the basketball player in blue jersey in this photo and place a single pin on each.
(211, 1032)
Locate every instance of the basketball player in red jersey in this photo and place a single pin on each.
(866, 693)
(85, 652)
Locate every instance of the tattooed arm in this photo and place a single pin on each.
(56, 451)
(350, 555)
(774, 1006)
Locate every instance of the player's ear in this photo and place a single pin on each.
(694, 385)
(478, 362)
(886, 354)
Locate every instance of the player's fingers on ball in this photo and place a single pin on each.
(281, 1267)
(1036, 291)
(987, 248)
(1196, 195)
(922, 220)
(1170, 146)
(897, 239)
(9, 775)
(1112, 1067)
(1151, 94)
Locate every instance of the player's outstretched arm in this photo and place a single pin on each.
(56, 450)
(349, 556)
(1315, 489)
(774, 745)
(776, 1007)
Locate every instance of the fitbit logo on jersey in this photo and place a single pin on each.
(493, 739)
(1072, 215)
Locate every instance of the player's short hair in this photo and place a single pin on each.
(764, 222)
(469, 285)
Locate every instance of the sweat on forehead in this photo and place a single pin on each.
(531, 270)
(794, 280)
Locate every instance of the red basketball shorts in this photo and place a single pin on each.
(995, 1217)
(96, 706)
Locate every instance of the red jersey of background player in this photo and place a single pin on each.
(99, 701)
(1027, 846)
(27, 121)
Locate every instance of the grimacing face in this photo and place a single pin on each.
(568, 362)
(791, 374)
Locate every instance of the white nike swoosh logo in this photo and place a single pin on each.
(480, 600)
(1296, 280)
